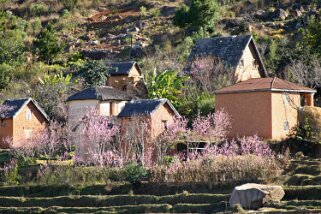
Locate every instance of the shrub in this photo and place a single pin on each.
(218, 169)
(135, 174)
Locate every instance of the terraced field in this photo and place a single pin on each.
(302, 187)
(104, 199)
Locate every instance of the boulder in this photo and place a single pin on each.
(280, 14)
(254, 196)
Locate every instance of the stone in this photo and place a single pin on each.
(255, 196)
(280, 14)
(296, 13)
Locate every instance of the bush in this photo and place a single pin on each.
(218, 169)
(39, 9)
(135, 174)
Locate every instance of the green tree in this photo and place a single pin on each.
(47, 44)
(167, 85)
(202, 14)
(94, 73)
(12, 35)
(312, 36)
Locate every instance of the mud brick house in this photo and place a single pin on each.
(22, 119)
(239, 55)
(127, 76)
(107, 100)
(267, 107)
(156, 114)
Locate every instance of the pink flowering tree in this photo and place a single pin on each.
(136, 141)
(213, 127)
(95, 138)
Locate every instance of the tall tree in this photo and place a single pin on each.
(47, 44)
(202, 14)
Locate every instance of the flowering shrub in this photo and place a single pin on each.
(95, 136)
(213, 127)
(248, 160)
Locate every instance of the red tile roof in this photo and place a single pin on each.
(265, 84)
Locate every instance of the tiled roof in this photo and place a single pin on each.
(17, 104)
(229, 49)
(265, 84)
(122, 68)
(101, 93)
(144, 107)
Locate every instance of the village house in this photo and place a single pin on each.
(127, 76)
(239, 55)
(267, 107)
(23, 119)
(107, 100)
(155, 115)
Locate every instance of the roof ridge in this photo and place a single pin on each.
(272, 83)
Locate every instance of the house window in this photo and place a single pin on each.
(28, 133)
(28, 114)
(3, 123)
(164, 124)
(286, 99)
(286, 126)
(242, 63)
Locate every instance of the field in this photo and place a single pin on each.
(301, 184)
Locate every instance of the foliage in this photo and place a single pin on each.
(52, 92)
(143, 11)
(94, 73)
(69, 4)
(202, 14)
(135, 174)
(12, 36)
(312, 36)
(94, 136)
(11, 176)
(167, 85)
(47, 44)
(218, 169)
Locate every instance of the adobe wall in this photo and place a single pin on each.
(284, 110)
(249, 70)
(6, 131)
(250, 113)
(21, 125)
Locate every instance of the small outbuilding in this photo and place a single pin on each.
(267, 107)
(142, 121)
(127, 76)
(20, 120)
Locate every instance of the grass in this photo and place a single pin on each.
(114, 188)
(113, 200)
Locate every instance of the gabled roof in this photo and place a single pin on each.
(18, 104)
(144, 107)
(122, 68)
(265, 84)
(230, 49)
(102, 93)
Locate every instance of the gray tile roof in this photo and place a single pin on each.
(101, 93)
(122, 68)
(17, 104)
(230, 49)
(144, 107)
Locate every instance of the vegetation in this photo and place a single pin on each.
(48, 52)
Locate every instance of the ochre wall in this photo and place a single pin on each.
(249, 70)
(155, 126)
(250, 113)
(164, 112)
(120, 81)
(284, 109)
(6, 132)
(21, 124)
